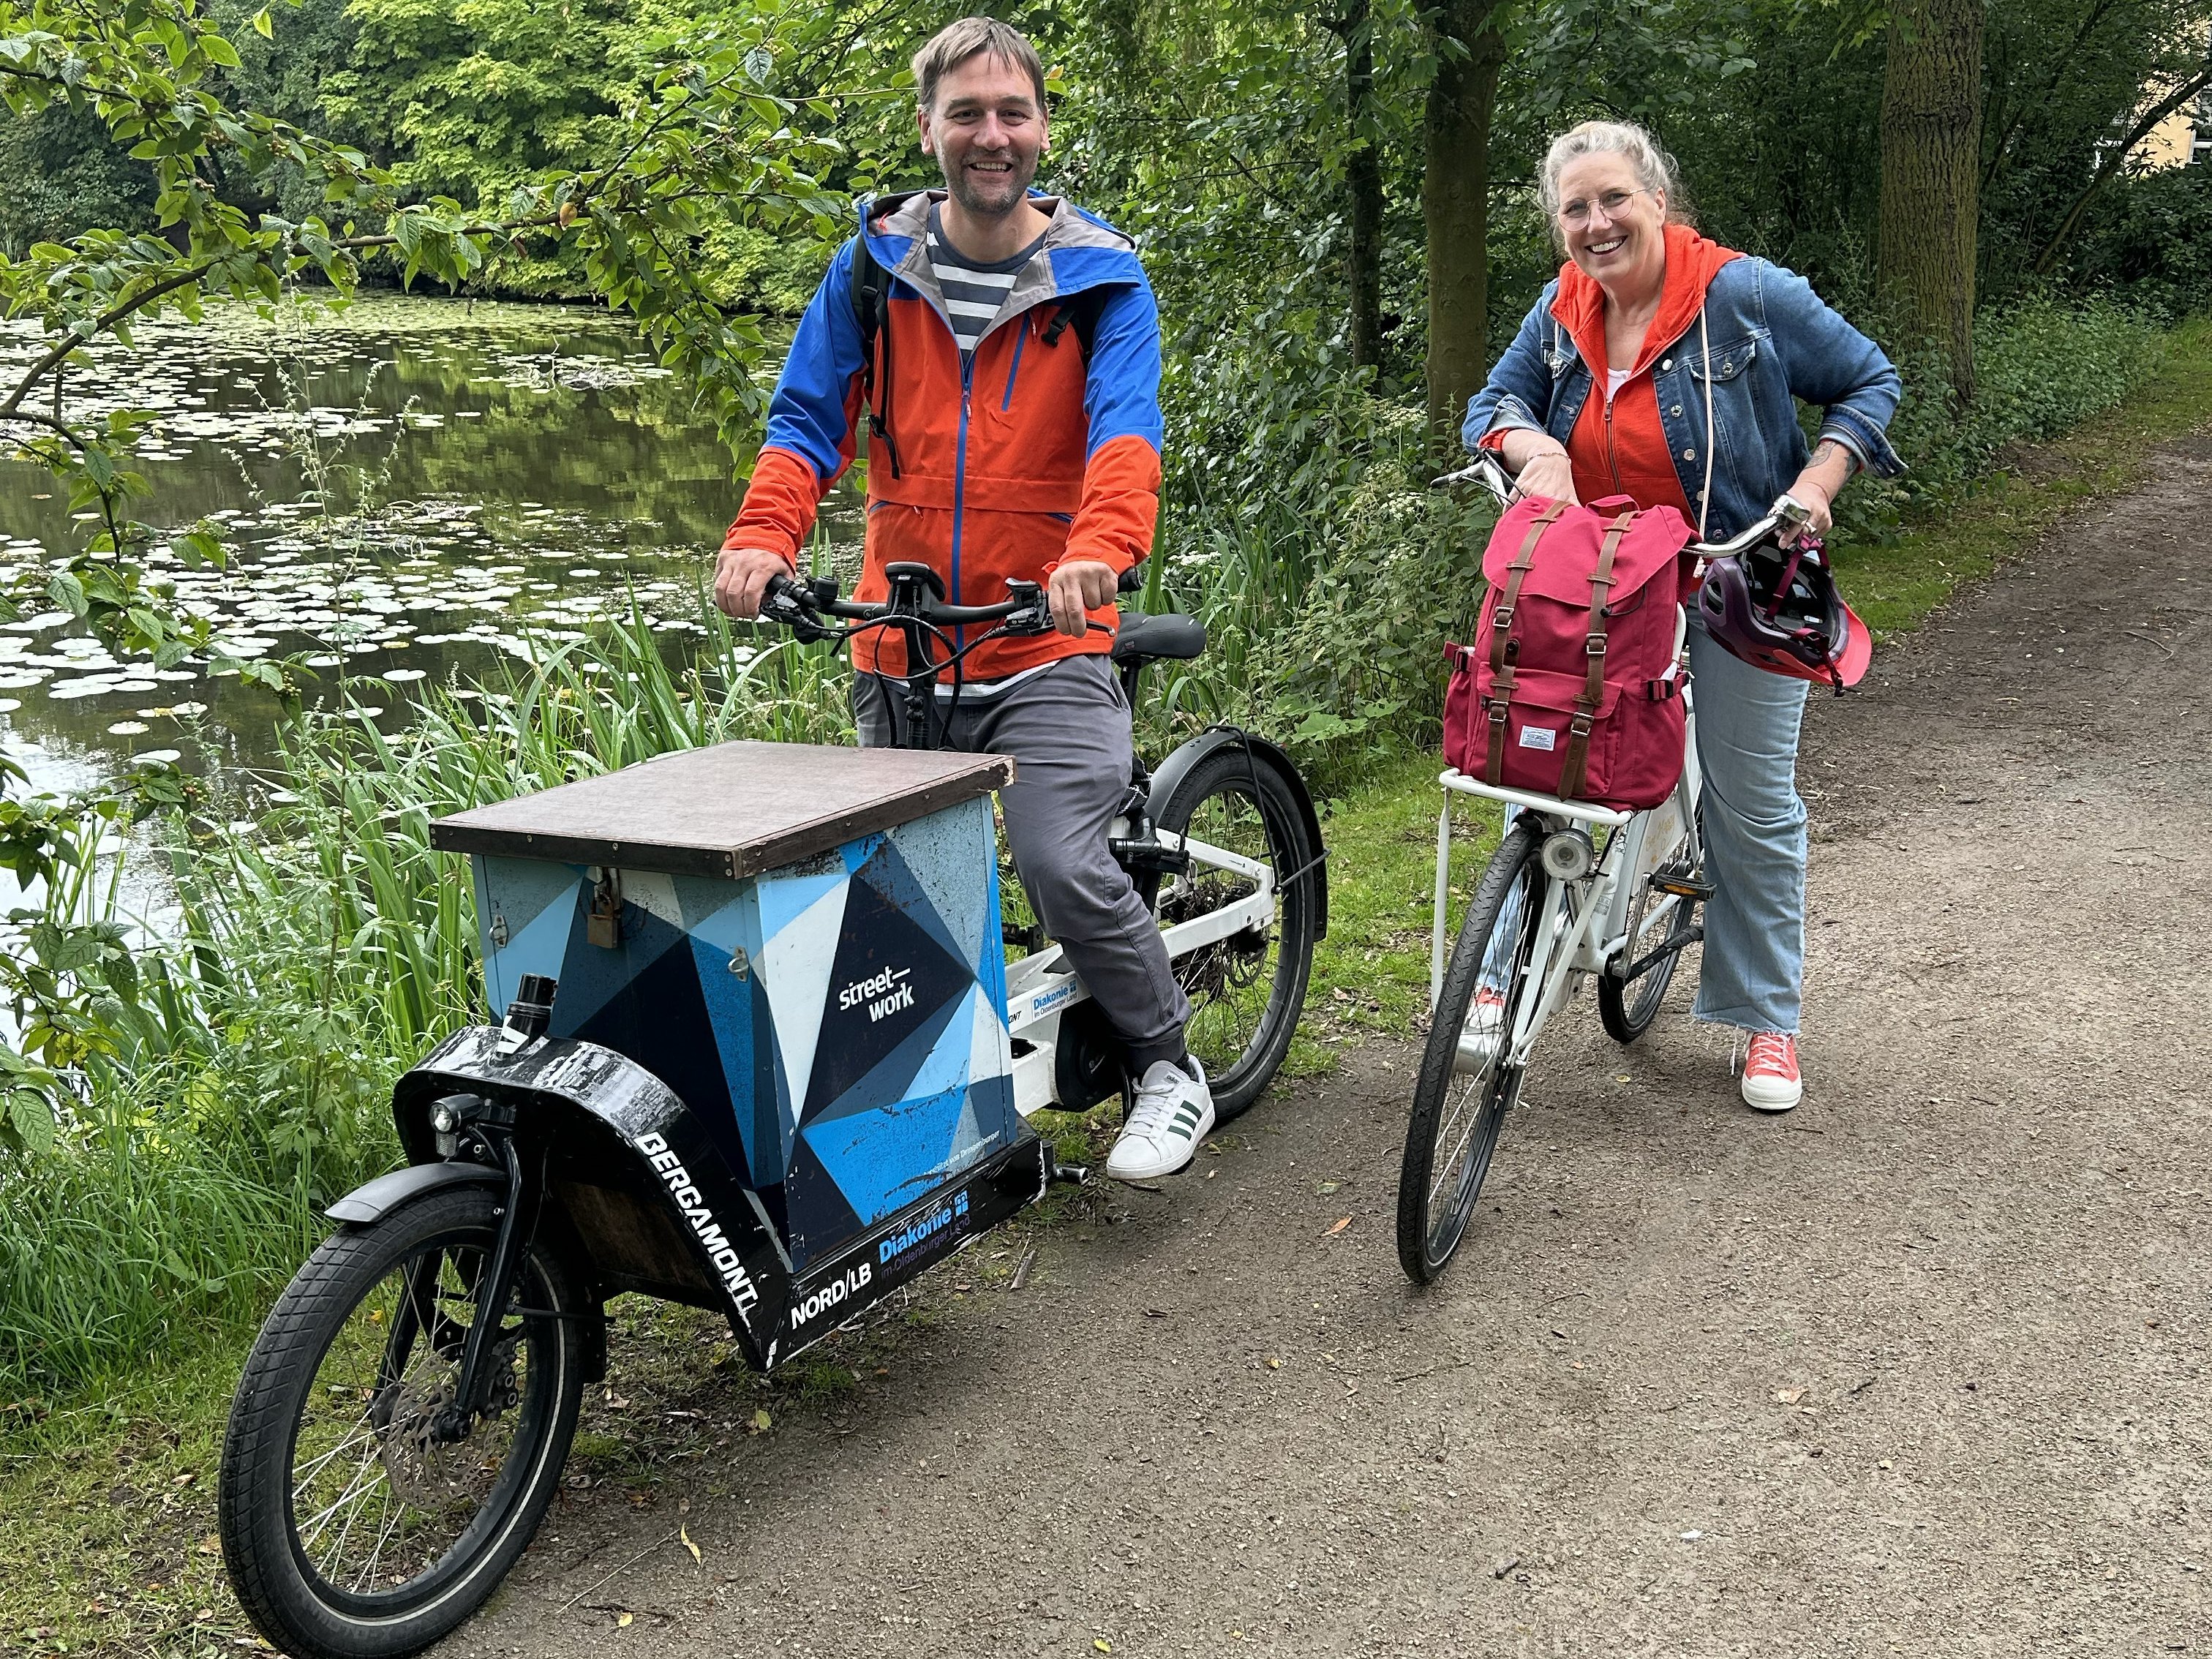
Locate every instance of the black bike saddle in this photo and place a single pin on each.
(1147, 638)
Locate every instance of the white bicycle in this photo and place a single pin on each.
(1553, 908)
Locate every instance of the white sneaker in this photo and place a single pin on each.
(1171, 1114)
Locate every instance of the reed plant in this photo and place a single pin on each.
(323, 946)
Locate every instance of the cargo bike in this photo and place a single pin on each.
(763, 1053)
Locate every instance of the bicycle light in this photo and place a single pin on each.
(1568, 855)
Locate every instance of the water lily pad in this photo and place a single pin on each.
(128, 729)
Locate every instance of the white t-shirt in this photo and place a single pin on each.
(1614, 379)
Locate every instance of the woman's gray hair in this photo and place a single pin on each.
(1655, 168)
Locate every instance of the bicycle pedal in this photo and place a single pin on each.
(1683, 887)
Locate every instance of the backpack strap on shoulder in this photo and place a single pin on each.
(871, 310)
(1081, 311)
(1504, 649)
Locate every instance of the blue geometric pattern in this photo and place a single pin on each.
(839, 1025)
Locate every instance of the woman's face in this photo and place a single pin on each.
(1614, 227)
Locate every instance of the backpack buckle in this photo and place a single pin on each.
(1502, 617)
(1594, 646)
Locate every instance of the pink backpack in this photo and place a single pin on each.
(1571, 686)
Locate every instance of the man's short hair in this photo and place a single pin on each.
(972, 37)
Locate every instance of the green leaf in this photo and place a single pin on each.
(264, 25)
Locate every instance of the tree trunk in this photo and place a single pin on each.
(1931, 125)
(1455, 203)
(1363, 179)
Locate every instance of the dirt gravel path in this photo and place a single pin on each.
(1921, 1367)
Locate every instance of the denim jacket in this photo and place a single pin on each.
(1773, 339)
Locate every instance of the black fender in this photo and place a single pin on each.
(373, 1201)
(1211, 742)
(667, 1215)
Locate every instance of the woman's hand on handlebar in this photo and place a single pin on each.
(1077, 587)
(741, 579)
(1539, 464)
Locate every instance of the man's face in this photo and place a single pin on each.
(987, 131)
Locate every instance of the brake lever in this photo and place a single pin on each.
(1035, 617)
(793, 604)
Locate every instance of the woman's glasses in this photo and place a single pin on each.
(1578, 212)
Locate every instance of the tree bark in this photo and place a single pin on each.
(1931, 125)
(1363, 179)
(1455, 205)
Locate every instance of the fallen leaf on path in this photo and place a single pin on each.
(1789, 1396)
(761, 1421)
(1101, 1644)
(1341, 1222)
(684, 1533)
(623, 1620)
(1274, 1364)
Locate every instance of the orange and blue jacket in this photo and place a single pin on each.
(1029, 455)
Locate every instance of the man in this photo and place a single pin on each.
(1012, 399)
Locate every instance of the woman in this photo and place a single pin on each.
(1663, 366)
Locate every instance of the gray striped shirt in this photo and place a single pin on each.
(974, 292)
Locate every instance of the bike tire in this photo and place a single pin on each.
(1627, 1011)
(1240, 800)
(284, 1589)
(1496, 941)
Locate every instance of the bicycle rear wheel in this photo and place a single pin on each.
(1626, 1008)
(1466, 1085)
(1246, 991)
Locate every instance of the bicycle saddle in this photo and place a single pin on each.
(1147, 638)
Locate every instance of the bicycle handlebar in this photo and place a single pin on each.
(799, 605)
(1788, 512)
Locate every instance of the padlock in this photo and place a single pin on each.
(604, 927)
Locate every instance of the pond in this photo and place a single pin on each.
(409, 488)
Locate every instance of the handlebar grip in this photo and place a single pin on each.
(1130, 580)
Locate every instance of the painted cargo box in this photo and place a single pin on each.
(802, 943)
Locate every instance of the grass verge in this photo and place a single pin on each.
(107, 1498)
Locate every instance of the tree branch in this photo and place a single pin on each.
(2115, 159)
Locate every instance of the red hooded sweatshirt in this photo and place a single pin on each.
(1620, 449)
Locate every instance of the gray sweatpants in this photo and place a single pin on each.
(1067, 729)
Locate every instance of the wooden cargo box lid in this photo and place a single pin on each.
(731, 811)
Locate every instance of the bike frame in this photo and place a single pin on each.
(1582, 926)
(1040, 987)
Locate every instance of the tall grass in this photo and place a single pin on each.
(320, 954)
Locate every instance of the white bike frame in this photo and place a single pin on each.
(1041, 988)
(1582, 923)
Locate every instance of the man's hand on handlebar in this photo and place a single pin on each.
(741, 577)
(1077, 587)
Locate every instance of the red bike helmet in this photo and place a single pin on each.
(1778, 609)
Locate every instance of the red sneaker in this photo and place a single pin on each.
(1771, 1081)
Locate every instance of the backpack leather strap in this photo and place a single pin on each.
(1573, 769)
(1504, 649)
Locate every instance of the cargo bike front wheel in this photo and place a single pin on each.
(359, 1514)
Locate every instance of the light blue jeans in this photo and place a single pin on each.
(1747, 726)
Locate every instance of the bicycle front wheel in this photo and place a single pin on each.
(354, 1524)
(1467, 1083)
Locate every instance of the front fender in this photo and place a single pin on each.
(663, 1193)
(1187, 756)
(373, 1201)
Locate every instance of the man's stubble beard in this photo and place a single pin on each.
(956, 183)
